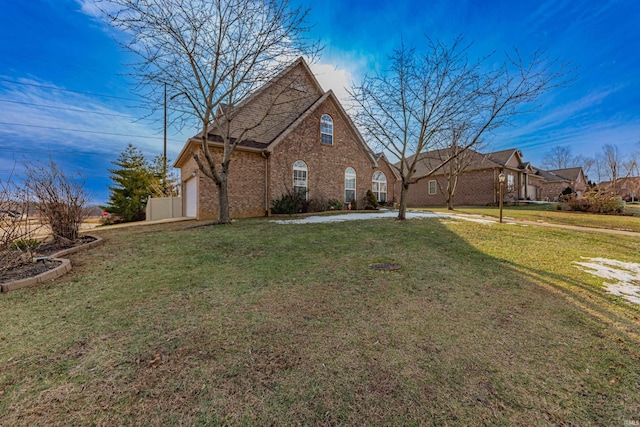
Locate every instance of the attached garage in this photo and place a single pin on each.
(190, 198)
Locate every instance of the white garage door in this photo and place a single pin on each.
(191, 198)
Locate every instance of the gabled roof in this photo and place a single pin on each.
(570, 174)
(504, 157)
(381, 157)
(430, 160)
(327, 96)
(550, 176)
(305, 104)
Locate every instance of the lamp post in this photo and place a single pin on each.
(501, 179)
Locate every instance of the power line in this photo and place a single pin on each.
(68, 90)
(66, 108)
(6, 54)
(86, 131)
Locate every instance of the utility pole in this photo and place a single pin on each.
(164, 153)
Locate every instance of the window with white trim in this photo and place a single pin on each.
(349, 185)
(511, 182)
(432, 187)
(379, 186)
(326, 129)
(300, 177)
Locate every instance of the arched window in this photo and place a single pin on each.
(326, 129)
(349, 185)
(300, 181)
(379, 186)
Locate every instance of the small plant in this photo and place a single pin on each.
(28, 244)
(334, 205)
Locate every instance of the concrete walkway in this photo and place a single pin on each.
(98, 227)
(512, 221)
(417, 214)
(387, 214)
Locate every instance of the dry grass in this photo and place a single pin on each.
(259, 324)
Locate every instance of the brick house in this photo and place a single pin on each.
(558, 180)
(296, 137)
(627, 187)
(478, 182)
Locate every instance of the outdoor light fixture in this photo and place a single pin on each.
(501, 179)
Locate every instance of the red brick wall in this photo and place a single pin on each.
(326, 164)
(245, 185)
(474, 188)
(551, 190)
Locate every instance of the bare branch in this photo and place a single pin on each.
(412, 108)
(212, 54)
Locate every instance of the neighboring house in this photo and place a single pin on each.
(301, 139)
(628, 188)
(478, 183)
(558, 180)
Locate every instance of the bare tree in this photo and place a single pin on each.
(211, 54)
(408, 109)
(60, 200)
(586, 163)
(611, 164)
(16, 235)
(459, 160)
(559, 157)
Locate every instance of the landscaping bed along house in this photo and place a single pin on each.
(48, 263)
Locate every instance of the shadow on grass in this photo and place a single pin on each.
(620, 315)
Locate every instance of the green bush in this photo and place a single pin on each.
(372, 202)
(334, 205)
(290, 203)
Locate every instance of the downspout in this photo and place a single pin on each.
(267, 182)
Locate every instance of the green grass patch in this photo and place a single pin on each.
(266, 324)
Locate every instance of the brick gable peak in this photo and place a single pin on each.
(328, 96)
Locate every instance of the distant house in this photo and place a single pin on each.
(301, 139)
(478, 183)
(628, 188)
(558, 180)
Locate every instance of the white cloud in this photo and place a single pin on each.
(94, 8)
(334, 78)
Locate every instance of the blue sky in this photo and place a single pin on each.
(64, 92)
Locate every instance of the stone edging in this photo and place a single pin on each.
(54, 273)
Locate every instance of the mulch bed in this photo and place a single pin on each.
(25, 271)
(32, 269)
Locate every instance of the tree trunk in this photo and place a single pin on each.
(223, 202)
(451, 189)
(450, 203)
(402, 212)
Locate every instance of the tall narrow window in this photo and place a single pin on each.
(300, 181)
(326, 129)
(432, 187)
(349, 185)
(379, 187)
(511, 182)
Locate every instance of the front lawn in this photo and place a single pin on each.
(267, 324)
